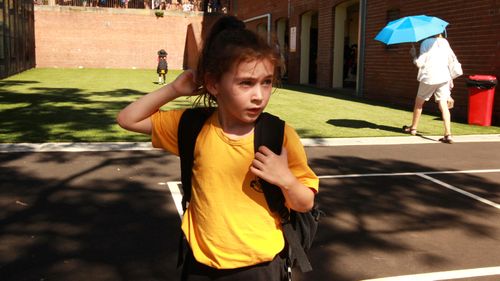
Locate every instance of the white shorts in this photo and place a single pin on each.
(440, 91)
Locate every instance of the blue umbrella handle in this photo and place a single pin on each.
(413, 51)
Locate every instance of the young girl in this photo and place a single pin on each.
(231, 232)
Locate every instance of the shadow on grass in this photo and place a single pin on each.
(430, 108)
(56, 114)
(67, 108)
(8, 83)
(344, 94)
(361, 124)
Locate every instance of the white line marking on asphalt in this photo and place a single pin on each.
(425, 176)
(456, 189)
(444, 275)
(176, 192)
(409, 174)
(366, 175)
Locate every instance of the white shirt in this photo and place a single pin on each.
(433, 61)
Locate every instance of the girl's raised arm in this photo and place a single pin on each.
(135, 117)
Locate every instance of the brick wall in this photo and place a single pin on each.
(472, 33)
(260, 7)
(116, 38)
(325, 44)
(299, 8)
(119, 38)
(390, 76)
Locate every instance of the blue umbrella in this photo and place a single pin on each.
(411, 29)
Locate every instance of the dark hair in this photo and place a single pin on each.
(227, 44)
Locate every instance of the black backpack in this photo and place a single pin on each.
(162, 65)
(299, 228)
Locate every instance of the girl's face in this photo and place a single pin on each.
(243, 92)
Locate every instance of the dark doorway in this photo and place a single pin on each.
(313, 56)
(313, 50)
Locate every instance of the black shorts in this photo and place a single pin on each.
(275, 270)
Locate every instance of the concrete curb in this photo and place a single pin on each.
(396, 140)
(138, 146)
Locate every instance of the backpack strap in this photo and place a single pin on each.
(192, 120)
(190, 124)
(270, 131)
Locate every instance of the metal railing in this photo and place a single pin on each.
(126, 4)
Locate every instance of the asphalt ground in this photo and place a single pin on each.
(394, 210)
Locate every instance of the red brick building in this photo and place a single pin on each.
(317, 38)
(316, 34)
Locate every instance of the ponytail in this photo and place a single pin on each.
(227, 43)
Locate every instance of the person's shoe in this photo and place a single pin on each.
(409, 130)
(446, 139)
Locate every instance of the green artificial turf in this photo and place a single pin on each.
(70, 105)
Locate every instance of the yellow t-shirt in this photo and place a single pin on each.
(228, 223)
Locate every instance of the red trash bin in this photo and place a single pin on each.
(481, 94)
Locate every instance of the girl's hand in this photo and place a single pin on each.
(272, 168)
(451, 84)
(184, 84)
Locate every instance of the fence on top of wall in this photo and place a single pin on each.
(184, 5)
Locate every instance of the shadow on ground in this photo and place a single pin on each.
(362, 124)
(86, 216)
(430, 108)
(72, 109)
(375, 214)
(101, 215)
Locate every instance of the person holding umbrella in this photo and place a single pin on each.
(433, 64)
(434, 80)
